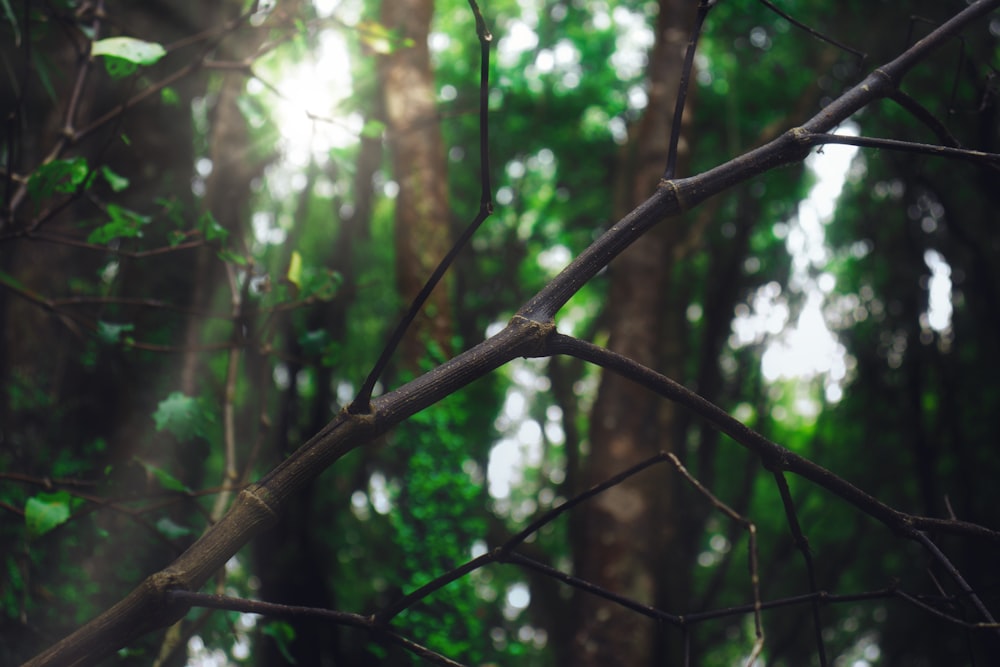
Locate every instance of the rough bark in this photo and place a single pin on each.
(628, 532)
(419, 168)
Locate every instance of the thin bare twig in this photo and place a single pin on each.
(752, 555)
(802, 544)
(991, 160)
(283, 610)
(362, 402)
(670, 171)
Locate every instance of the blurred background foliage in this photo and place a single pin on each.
(217, 265)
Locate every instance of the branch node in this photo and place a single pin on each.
(535, 342)
(801, 136)
(671, 185)
(878, 71)
(160, 587)
(251, 495)
(368, 416)
(358, 408)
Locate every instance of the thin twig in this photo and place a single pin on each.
(802, 543)
(504, 552)
(752, 555)
(773, 455)
(991, 160)
(861, 56)
(362, 402)
(670, 171)
(338, 617)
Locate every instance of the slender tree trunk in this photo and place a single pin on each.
(628, 532)
(419, 167)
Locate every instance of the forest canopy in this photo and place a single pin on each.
(537, 332)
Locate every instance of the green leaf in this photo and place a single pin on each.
(314, 343)
(130, 49)
(283, 634)
(229, 256)
(58, 176)
(381, 39)
(170, 97)
(123, 224)
(116, 181)
(13, 283)
(45, 511)
(211, 228)
(111, 332)
(173, 209)
(166, 480)
(322, 284)
(123, 55)
(295, 269)
(9, 13)
(118, 68)
(373, 129)
(181, 415)
(172, 530)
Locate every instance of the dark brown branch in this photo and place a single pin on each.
(682, 89)
(802, 544)
(752, 554)
(774, 456)
(956, 576)
(815, 33)
(922, 114)
(587, 587)
(991, 160)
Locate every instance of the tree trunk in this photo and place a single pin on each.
(419, 167)
(627, 539)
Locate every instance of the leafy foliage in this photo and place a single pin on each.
(184, 416)
(45, 511)
(58, 176)
(122, 55)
